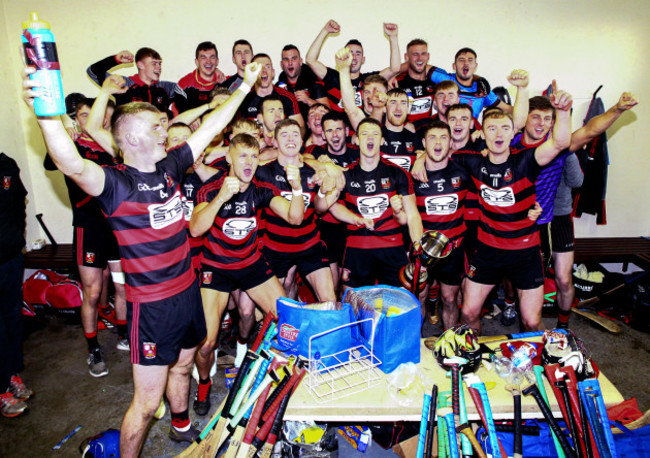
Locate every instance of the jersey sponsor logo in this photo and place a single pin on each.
(188, 208)
(146, 187)
(455, 182)
(206, 278)
(90, 257)
(239, 228)
(504, 197)
(421, 106)
(372, 206)
(6, 183)
(385, 183)
(280, 178)
(162, 215)
(149, 350)
(288, 332)
(400, 161)
(441, 205)
(306, 198)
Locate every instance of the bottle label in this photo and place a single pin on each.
(40, 54)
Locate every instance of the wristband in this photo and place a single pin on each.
(296, 193)
(321, 195)
(244, 87)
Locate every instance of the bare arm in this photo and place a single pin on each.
(114, 84)
(520, 79)
(390, 29)
(88, 175)
(561, 137)
(343, 60)
(327, 195)
(413, 219)
(204, 213)
(314, 50)
(292, 212)
(219, 118)
(601, 123)
(341, 213)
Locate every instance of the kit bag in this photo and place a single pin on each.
(298, 322)
(45, 287)
(397, 322)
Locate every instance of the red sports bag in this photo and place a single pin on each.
(45, 287)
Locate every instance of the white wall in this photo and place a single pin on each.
(582, 44)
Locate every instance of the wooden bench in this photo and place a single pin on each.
(634, 250)
(54, 257)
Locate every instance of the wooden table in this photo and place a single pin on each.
(382, 404)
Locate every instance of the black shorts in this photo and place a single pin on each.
(227, 280)
(95, 246)
(450, 270)
(562, 237)
(333, 235)
(523, 267)
(159, 330)
(470, 238)
(307, 261)
(364, 266)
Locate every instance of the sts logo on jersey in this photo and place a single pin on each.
(441, 205)
(421, 106)
(163, 215)
(239, 228)
(400, 161)
(372, 206)
(504, 197)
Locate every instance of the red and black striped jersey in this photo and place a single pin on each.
(250, 106)
(399, 147)
(145, 211)
(349, 156)
(233, 241)
(421, 92)
(86, 211)
(196, 89)
(279, 234)
(332, 82)
(441, 201)
(368, 194)
(472, 211)
(506, 192)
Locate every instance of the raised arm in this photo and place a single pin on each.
(327, 194)
(395, 63)
(292, 212)
(520, 79)
(99, 71)
(601, 123)
(204, 213)
(355, 114)
(561, 137)
(219, 118)
(88, 175)
(114, 84)
(317, 66)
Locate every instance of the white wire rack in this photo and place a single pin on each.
(344, 373)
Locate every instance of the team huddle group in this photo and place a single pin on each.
(329, 173)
